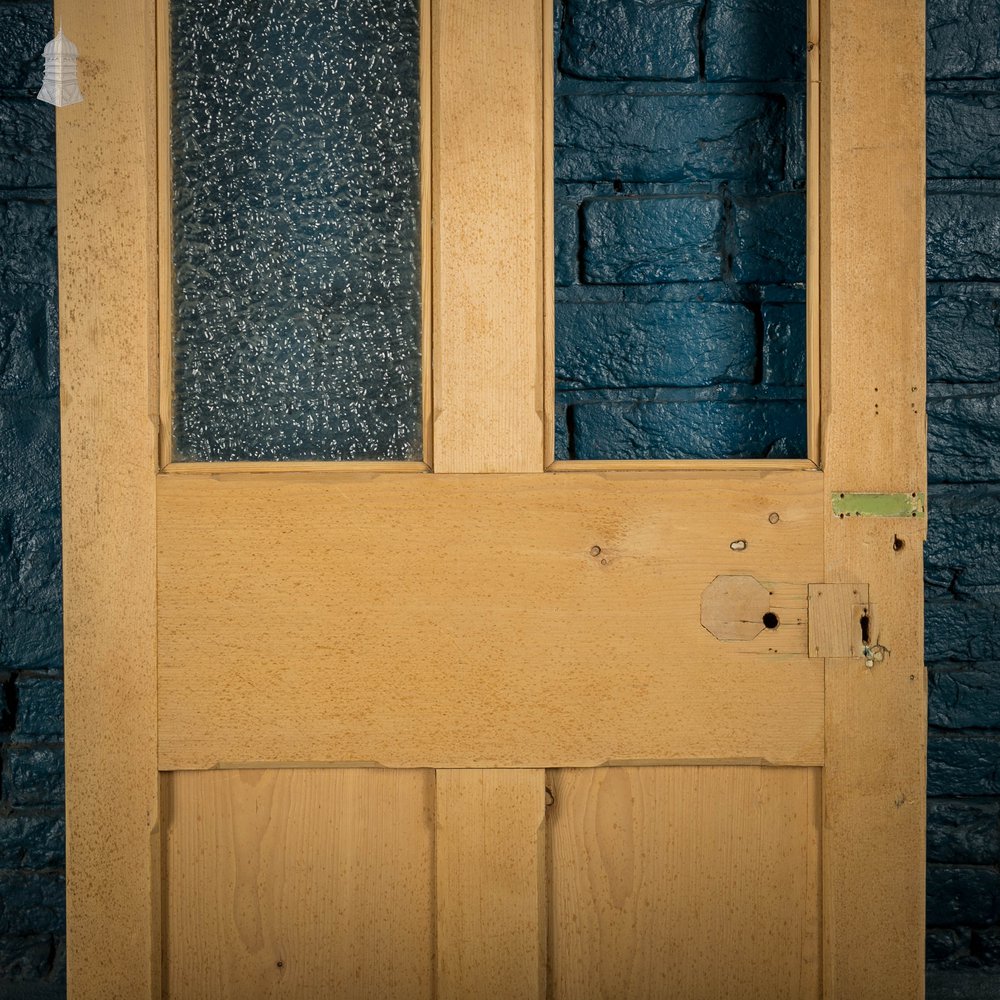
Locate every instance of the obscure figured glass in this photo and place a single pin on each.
(296, 242)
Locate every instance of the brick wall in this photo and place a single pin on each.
(31, 787)
(963, 553)
(659, 246)
(680, 228)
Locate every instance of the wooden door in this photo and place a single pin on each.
(493, 725)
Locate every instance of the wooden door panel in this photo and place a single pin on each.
(299, 884)
(693, 882)
(700, 882)
(475, 621)
(490, 865)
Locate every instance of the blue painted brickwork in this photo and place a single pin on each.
(962, 557)
(32, 829)
(680, 228)
(624, 335)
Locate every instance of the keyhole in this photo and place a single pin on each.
(865, 626)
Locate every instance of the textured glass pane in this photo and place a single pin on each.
(680, 228)
(295, 139)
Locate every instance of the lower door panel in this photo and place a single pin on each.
(682, 882)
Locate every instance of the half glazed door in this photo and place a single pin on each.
(485, 724)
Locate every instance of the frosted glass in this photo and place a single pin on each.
(296, 246)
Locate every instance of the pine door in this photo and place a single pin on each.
(488, 724)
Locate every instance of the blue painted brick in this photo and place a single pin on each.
(30, 637)
(962, 554)
(28, 229)
(29, 454)
(963, 439)
(24, 30)
(602, 345)
(961, 984)
(631, 39)
(561, 420)
(795, 130)
(960, 764)
(755, 40)
(8, 707)
(567, 242)
(963, 135)
(668, 138)
(962, 896)
(28, 318)
(770, 238)
(784, 353)
(39, 709)
(966, 698)
(24, 960)
(963, 337)
(32, 903)
(986, 946)
(963, 236)
(30, 627)
(34, 776)
(652, 240)
(689, 430)
(30, 560)
(32, 842)
(27, 144)
(961, 630)
(947, 946)
(963, 39)
(963, 832)
(28, 323)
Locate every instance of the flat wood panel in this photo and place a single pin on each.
(489, 209)
(106, 180)
(490, 864)
(695, 883)
(478, 620)
(299, 884)
(872, 313)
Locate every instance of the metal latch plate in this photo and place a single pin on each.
(879, 504)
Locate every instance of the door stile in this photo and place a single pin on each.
(873, 303)
(106, 184)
